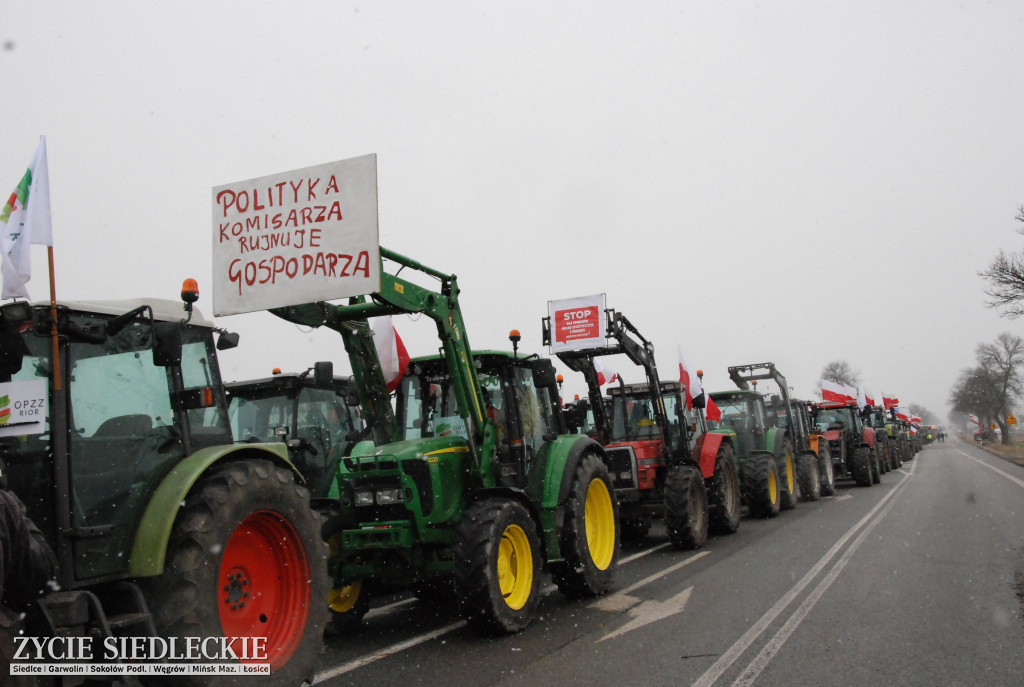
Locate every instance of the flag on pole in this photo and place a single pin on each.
(394, 359)
(695, 389)
(903, 414)
(862, 398)
(26, 217)
(605, 375)
(840, 393)
(889, 402)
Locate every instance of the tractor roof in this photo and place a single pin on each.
(164, 310)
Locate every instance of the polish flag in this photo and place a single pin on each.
(915, 419)
(840, 393)
(903, 414)
(862, 398)
(605, 375)
(394, 359)
(975, 420)
(889, 402)
(695, 389)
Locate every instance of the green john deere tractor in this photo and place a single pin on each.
(477, 488)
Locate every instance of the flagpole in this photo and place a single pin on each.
(53, 326)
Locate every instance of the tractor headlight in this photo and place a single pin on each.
(389, 496)
(364, 498)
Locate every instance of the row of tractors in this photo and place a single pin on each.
(180, 507)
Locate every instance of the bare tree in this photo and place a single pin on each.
(841, 372)
(1006, 278)
(989, 389)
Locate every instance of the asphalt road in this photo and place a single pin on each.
(918, 580)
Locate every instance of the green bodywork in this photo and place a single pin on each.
(401, 544)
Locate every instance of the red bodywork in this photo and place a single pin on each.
(705, 451)
(650, 455)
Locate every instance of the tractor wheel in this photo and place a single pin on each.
(860, 466)
(497, 566)
(827, 471)
(590, 533)
(897, 455)
(724, 493)
(686, 507)
(245, 559)
(348, 605)
(883, 459)
(808, 477)
(876, 468)
(787, 470)
(760, 481)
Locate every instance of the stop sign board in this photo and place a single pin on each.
(577, 323)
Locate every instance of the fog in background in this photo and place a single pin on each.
(786, 181)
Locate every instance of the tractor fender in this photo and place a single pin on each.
(149, 545)
(868, 437)
(705, 452)
(778, 442)
(549, 483)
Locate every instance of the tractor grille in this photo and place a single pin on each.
(420, 474)
(622, 466)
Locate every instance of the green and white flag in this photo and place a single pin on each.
(26, 219)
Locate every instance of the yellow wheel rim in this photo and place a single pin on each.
(343, 599)
(790, 474)
(515, 567)
(600, 523)
(773, 487)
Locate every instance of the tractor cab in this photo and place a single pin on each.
(743, 412)
(313, 412)
(138, 389)
(518, 395)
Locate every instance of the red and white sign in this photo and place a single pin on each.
(577, 323)
(296, 237)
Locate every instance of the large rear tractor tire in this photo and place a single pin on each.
(860, 466)
(590, 534)
(497, 566)
(807, 477)
(724, 493)
(787, 471)
(245, 559)
(760, 481)
(827, 471)
(876, 467)
(686, 507)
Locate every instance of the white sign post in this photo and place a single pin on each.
(577, 323)
(296, 237)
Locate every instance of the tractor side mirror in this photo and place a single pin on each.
(166, 344)
(543, 373)
(323, 374)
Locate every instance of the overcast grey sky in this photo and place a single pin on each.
(790, 181)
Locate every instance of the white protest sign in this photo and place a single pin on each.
(577, 323)
(296, 237)
(23, 408)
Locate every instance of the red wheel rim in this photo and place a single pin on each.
(263, 587)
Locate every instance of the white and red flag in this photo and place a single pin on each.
(839, 393)
(605, 375)
(26, 219)
(890, 402)
(903, 414)
(394, 359)
(695, 389)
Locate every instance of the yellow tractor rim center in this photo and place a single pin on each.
(600, 523)
(515, 567)
(343, 599)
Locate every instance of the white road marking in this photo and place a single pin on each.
(844, 497)
(1007, 475)
(779, 638)
(619, 601)
(650, 611)
(748, 637)
(385, 652)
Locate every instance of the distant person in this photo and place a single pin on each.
(27, 565)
